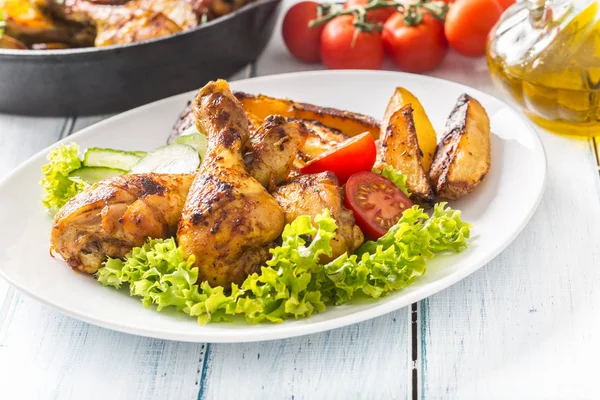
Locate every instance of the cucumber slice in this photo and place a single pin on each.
(197, 140)
(140, 154)
(95, 174)
(110, 158)
(175, 158)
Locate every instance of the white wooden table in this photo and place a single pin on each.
(526, 326)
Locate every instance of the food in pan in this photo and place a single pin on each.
(53, 24)
(222, 223)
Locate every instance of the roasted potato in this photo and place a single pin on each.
(426, 137)
(185, 120)
(462, 158)
(348, 123)
(399, 148)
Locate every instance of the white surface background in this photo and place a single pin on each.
(526, 326)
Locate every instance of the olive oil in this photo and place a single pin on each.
(550, 64)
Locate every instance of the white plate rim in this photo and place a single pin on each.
(316, 327)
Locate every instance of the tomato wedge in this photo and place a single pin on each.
(376, 202)
(354, 155)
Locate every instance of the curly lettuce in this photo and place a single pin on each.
(287, 286)
(58, 187)
(400, 256)
(294, 283)
(397, 177)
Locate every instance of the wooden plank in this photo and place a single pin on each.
(372, 358)
(44, 354)
(369, 359)
(526, 325)
(20, 138)
(71, 359)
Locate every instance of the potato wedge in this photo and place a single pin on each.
(462, 158)
(425, 133)
(348, 123)
(400, 149)
(185, 120)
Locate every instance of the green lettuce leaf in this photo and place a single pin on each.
(287, 286)
(397, 177)
(58, 187)
(157, 272)
(293, 283)
(396, 259)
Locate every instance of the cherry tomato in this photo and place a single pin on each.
(341, 50)
(468, 24)
(506, 3)
(416, 48)
(354, 155)
(378, 15)
(300, 40)
(376, 202)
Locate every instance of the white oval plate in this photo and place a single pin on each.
(498, 209)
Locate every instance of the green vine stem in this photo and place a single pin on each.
(413, 12)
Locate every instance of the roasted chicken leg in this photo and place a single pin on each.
(134, 21)
(273, 149)
(229, 221)
(117, 214)
(309, 195)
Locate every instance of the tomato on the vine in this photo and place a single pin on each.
(343, 47)
(378, 15)
(469, 23)
(302, 41)
(377, 204)
(415, 48)
(354, 155)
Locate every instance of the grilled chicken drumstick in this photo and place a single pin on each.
(309, 195)
(229, 221)
(117, 214)
(274, 147)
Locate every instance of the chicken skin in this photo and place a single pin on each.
(274, 147)
(309, 195)
(134, 21)
(320, 139)
(229, 221)
(117, 214)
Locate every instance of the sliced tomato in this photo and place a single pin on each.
(354, 155)
(376, 202)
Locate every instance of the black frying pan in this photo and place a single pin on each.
(111, 79)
